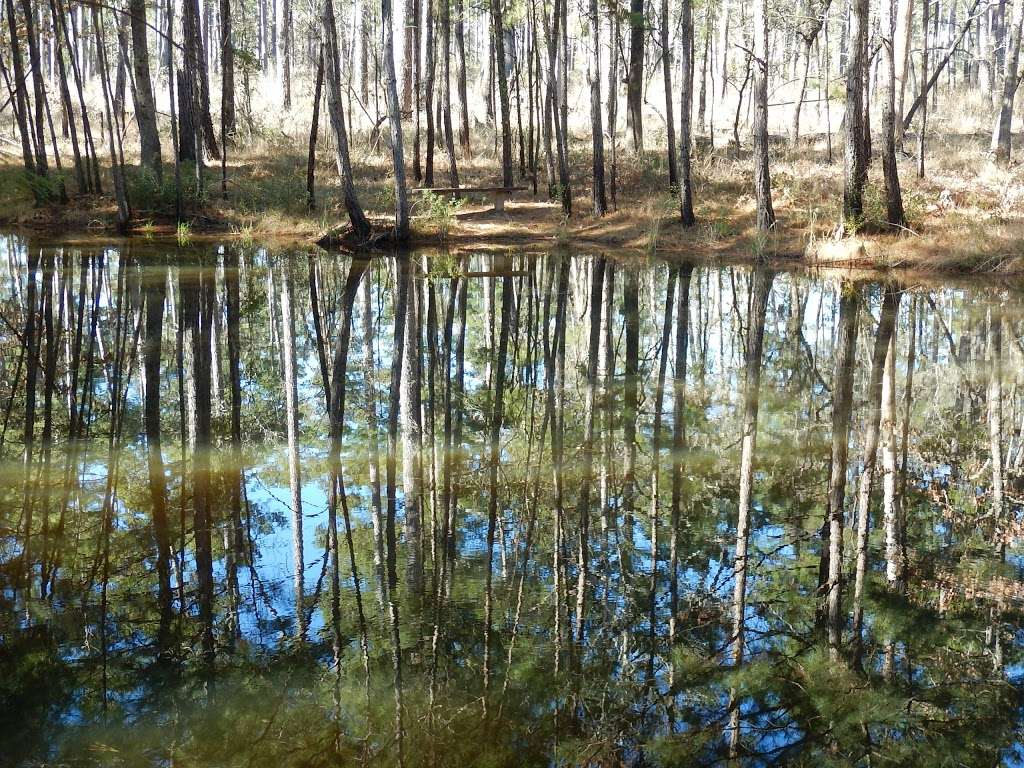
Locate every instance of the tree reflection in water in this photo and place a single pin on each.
(204, 562)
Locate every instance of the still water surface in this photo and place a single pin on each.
(567, 510)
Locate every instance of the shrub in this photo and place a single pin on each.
(439, 211)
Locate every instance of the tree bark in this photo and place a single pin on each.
(395, 123)
(686, 214)
(227, 70)
(596, 131)
(760, 289)
(886, 326)
(460, 68)
(360, 225)
(855, 168)
(762, 175)
(1001, 132)
(666, 70)
(895, 216)
(635, 81)
(842, 407)
(145, 107)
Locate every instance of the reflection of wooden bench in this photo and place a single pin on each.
(497, 195)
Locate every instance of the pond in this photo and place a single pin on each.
(264, 507)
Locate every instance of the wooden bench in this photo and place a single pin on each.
(497, 195)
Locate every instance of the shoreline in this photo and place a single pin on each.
(947, 245)
(855, 256)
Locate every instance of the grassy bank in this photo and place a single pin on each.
(967, 215)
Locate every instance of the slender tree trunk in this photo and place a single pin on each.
(762, 177)
(760, 290)
(893, 195)
(613, 102)
(291, 399)
(666, 70)
(227, 70)
(886, 325)
(428, 90)
(395, 122)
(145, 107)
(596, 131)
(286, 51)
(925, 6)
(21, 104)
(842, 408)
(856, 160)
(1001, 133)
(314, 129)
(891, 498)
(155, 292)
(38, 85)
(196, 64)
(494, 456)
(460, 68)
(686, 214)
(635, 81)
(446, 90)
(995, 427)
(498, 36)
(902, 66)
(335, 110)
(928, 88)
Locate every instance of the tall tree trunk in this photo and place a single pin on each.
(666, 73)
(38, 85)
(925, 6)
(886, 325)
(227, 70)
(60, 51)
(494, 456)
(498, 36)
(902, 66)
(155, 292)
(1004, 116)
(856, 160)
(291, 400)
(21, 104)
(314, 130)
(446, 91)
(995, 426)
(842, 408)
(615, 43)
(762, 176)
(428, 90)
(202, 290)
(1004, 119)
(286, 52)
(635, 82)
(460, 69)
(893, 195)
(335, 110)
(395, 123)
(891, 497)
(760, 289)
(596, 131)
(686, 214)
(145, 107)
(196, 64)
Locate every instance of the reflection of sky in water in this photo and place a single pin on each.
(267, 615)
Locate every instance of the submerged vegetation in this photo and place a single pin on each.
(275, 508)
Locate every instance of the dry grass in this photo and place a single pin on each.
(967, 215)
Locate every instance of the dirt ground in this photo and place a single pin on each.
(966, 216)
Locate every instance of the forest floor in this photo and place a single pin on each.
(966, 216)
